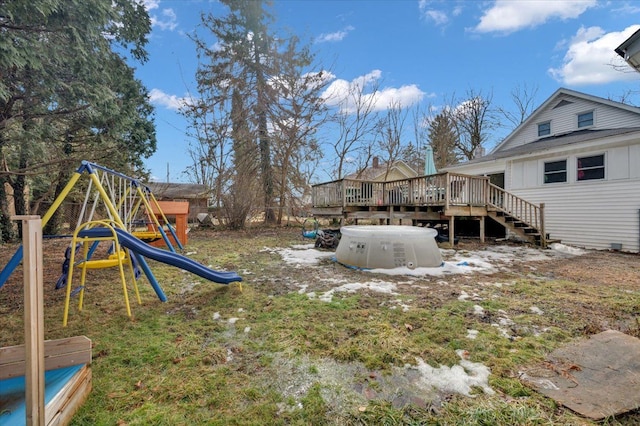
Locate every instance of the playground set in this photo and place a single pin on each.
(121, 211)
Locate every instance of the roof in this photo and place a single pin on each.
(372, 172)
(553, 98)
(571, 138)
(629, 49)
(178, 190)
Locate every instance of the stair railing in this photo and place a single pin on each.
(518, 208)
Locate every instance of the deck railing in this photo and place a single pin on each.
(518, 208)
(444, 189)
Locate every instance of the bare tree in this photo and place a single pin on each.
(626, 97)
(296, 118)
(390, 130)
(356, 119)
(474, 118)
(524, 98)
(210, 149)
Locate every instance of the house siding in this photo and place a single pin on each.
(621, 163)
(592, 215)
(394, 174)
(564, 119)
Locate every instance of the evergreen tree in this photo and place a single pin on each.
(443, 139)
(246, 66)
(68, 93)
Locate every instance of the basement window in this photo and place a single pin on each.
(555, 171)
(590, 168)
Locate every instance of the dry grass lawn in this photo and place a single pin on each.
(278, 350)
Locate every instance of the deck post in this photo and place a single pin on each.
(452, 234)
(543, 233)
(482, 229)
(447, 192)
(33, 319)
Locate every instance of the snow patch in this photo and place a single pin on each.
(460, 378)
(377, 286)
(536, 310)
(299, 254)
(565, 249)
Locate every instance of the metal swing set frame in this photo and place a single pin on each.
(123, 197)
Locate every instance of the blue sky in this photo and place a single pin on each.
(419, 51)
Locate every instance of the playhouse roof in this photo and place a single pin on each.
(175, 191)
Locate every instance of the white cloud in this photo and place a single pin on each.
(150, 4)
(172, 102)
(626, 9)
(165, 20)
(333, 37)
(439, 17)
(344, 94)
(507, 16)
(590, 58)
(168, 20)
(404, 95)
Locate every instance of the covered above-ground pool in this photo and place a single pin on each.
(388, 247)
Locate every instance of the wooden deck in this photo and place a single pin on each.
(441, 197)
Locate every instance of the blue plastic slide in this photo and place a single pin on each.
(139, 247)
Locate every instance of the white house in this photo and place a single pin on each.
(580, 156)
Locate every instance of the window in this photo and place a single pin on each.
(590, 168)
(585, 119)
(544, 129)
(555, 171)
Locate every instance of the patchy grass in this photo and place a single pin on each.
(271, 351)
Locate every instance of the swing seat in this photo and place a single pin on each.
(113, 260)
(147, 236)
(118, 258)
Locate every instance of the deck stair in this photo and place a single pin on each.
(519, 216)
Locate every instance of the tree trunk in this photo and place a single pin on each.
(55, 223)
(267, 172)
(7, 229)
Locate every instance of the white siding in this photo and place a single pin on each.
(621, 162)
(565, 119)
(516, 172)
(478, 169)
(591, 214)
(617, 163)
(531, 174)
(634, 161)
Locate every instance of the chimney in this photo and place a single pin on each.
(375, 162)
